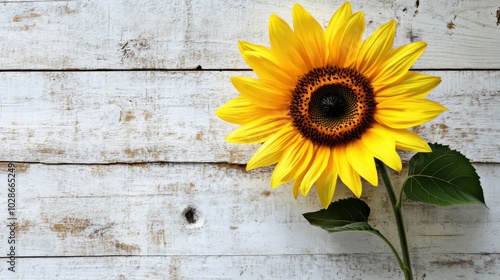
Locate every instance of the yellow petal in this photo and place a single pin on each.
(397, 63)
(347, 42)
(271, 151)
(318, 165)
(361, 160)
(261, 93)
(341, 16)
(406, 112)
(286, 47)
(296, 185)
(245, 46)
(258, 131)
(293, 162)
(408, 141)
(311, 36)
(326, 183)
(240, 111)
(412, 85)
(375, 48)
(382, 146)
(346, 173)
(266, 65)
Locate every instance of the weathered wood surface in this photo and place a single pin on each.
(184, 34)
(139, 209)
(110, 161)
(100, 212)
(307, 266)
(106, 117)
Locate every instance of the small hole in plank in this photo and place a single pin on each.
(190, 214)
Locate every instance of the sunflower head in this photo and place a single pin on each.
(326, 104)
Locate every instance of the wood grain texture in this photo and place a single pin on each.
(185, 34)
(106, 117)
(105, 211)
(125, 174)
(308, 266)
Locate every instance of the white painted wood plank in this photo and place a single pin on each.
(103, 117)
(77, 220)
(94, 34)
(310, 266)
(96, 210)
(28, 1)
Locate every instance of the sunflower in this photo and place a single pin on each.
(326, 104)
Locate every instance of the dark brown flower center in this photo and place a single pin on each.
(332, 106)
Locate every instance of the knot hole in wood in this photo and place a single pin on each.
(190, 214)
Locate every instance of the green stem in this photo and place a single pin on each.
(398, 258)
(396, 206)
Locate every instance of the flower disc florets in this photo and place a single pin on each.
(332, 106)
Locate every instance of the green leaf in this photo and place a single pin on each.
(349, 214)
(443, 177)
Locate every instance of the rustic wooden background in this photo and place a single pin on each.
(107, 108)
